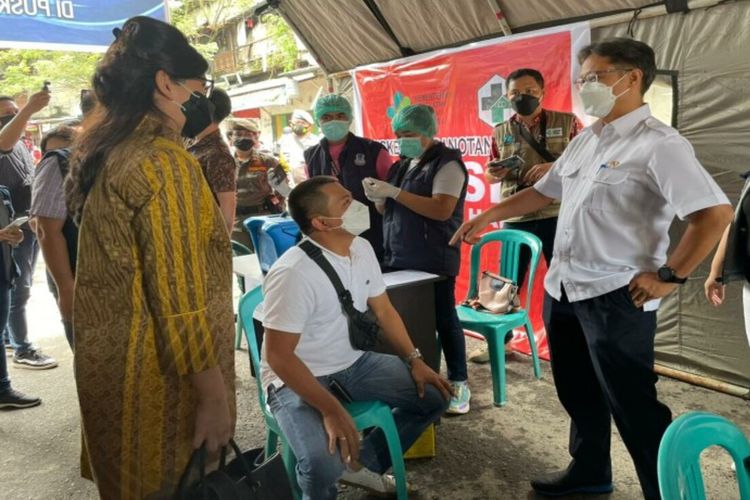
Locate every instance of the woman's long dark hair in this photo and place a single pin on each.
(124, 84)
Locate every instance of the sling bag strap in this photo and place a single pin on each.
(527, 136)
(316, 254)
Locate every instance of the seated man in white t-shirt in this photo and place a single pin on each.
(307, 345)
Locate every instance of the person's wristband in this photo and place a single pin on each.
(719, 279)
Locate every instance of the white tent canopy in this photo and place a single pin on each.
(343, 34)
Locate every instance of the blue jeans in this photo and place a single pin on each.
(449, 329)
(4, 309)
(17, 330)
(374, 376)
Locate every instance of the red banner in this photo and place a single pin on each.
(467, 89)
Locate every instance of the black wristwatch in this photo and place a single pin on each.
(667, 275)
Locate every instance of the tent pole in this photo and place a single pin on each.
(708, 383)
(647, 12)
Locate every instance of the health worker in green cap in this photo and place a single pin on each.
(423, 204)
(349, 158)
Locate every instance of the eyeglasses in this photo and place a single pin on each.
(208, 84)
(593, 76)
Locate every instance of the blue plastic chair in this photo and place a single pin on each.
(272, 235)
(494, 327)
(366, 414)
(239, 249)
(680, 476)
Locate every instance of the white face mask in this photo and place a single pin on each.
(356, 219)
(598, 99)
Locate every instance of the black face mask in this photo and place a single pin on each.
(199, 114)
(244, 143)
(4, 120)
(524, 104)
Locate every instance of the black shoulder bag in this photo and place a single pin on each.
(540, 148)
(364, 332)
(250, 476)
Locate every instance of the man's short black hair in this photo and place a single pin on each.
(520, 73)
(306, 199)
(63, 132)
(625, 52)
(6, 98)
(222, 104)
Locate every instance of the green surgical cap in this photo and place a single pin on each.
(332, 103)
(418, 118)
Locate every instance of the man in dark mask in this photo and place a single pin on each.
(216, 160)
(538, 136)
(261, 178)
(17, 173)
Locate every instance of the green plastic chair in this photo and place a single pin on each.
(238, 249)
(366, 414)
(680, 476)
(494, 327)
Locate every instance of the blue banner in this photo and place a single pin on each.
(84, 25)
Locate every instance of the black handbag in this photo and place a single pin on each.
(247, 477)
(365, 333)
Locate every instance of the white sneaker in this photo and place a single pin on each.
(380, 485)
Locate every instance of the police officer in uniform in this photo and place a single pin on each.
(255, 195)
(348, 157)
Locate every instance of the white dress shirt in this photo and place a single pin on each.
(621, 185)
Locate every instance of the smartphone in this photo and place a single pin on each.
(338, 390)
(19, 221)
(512, 163)
(46, 85)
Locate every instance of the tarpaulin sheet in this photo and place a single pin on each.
(707, 50)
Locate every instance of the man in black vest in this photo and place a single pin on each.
(422, 202)
(349, 158)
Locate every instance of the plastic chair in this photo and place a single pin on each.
(272, 235)
(680, 476)
(494, 327)
(238, 249)
(366, 414)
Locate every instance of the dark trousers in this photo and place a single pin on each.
(450, 331)
(602, 352)
(4, 312)
(544, 229)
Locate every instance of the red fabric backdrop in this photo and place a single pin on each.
(464, 87)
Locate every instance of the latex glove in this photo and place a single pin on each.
(279, 182)
(375, 188)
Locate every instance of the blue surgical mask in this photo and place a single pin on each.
(411, 147)
(335, 130)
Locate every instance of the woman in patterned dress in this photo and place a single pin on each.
(152, 316)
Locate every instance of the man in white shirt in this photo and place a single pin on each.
(293, 145)
(621, 182)
(307, 347)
